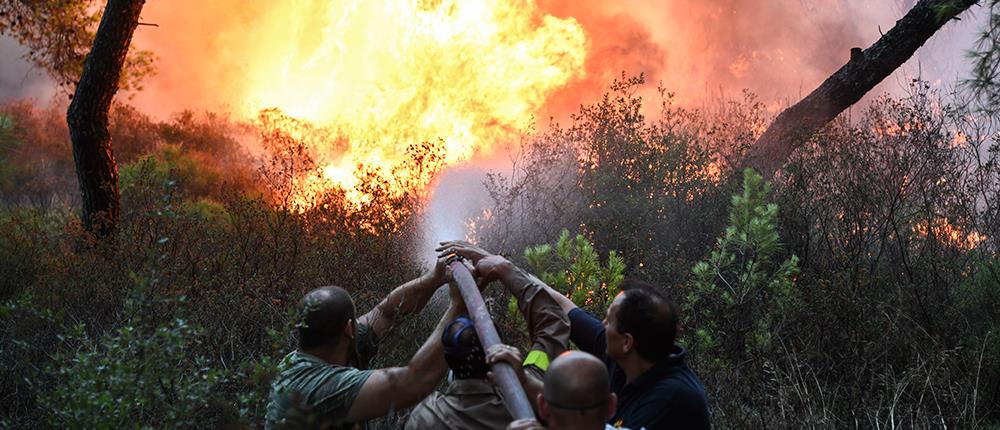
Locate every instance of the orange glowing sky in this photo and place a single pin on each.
(380, 74)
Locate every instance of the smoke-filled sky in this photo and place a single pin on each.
(17, 78)
(778, 49)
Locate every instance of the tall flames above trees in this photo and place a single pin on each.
(376, 77)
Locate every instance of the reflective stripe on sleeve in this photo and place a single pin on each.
(537, 358)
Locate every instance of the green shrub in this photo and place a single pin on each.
(23, 328)
(743, 290)
(190, 171)
(978, 306)
(138, 376)
(28, 237)
(978, 298)
(577, 272)
(7, 144)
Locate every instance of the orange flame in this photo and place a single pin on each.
(949, 234)
(384, 74)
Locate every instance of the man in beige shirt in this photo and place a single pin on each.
(471, 401)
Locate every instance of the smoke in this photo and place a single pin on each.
(198, 64)
(779, 50)
(18, 78)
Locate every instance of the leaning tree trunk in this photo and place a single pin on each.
(87, 116)
(865, 69)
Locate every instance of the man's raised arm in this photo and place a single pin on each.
(395, 388)
(404, 300)
(548, 323)
(475, 253)
(564, 302)
(586, 331)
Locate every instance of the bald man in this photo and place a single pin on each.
(575, 395)
(324, 384)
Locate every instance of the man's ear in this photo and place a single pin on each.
(349, 332)
(612, 405)
(628, 343)
(543, 408)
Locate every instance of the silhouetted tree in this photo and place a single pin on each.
(88, 115)
(863, 71)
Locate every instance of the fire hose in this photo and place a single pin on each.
(510, 386)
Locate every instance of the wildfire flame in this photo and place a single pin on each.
(949, 234)
(384, 74)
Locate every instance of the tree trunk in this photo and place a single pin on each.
(87, 116)
(865, 69)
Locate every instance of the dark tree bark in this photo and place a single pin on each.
(88, 115)
(865, 69)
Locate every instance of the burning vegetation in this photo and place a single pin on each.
(464, 74)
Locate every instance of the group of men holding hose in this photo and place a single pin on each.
(628, 372)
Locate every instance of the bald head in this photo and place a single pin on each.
(325, 311)
(577, 394)
(576, 380)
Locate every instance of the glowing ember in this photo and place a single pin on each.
(381, 75)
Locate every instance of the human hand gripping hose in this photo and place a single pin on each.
(504, 375)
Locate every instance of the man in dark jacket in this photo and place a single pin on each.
(655, 388)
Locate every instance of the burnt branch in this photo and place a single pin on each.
(846, 86)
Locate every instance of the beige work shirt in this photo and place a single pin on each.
(475, 403)
(464, 404)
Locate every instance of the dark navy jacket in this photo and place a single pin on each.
(667, 396)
